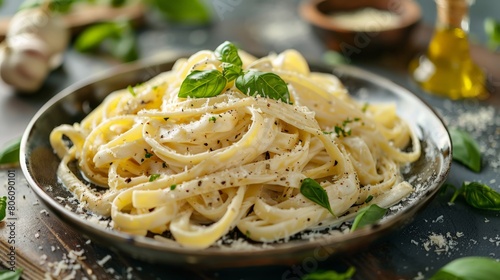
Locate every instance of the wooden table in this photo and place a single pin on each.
(44, 244)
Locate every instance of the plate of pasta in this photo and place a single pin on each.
(223, 158)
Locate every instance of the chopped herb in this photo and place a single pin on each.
(369, 198)
(313, 191)
(212, 119)
(172, 187)
(477, 195)
(131, 90)
(367, 216)
(465, 150)
(365, 107)
(470, 268)
(164, 165)
(147, 154)
(341, 130)
(3, 207)
(330, 275)
(154, 177)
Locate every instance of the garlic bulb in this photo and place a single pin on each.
(48, 27)
(24, 69)
(34, 45)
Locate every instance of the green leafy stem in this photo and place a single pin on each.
(475, 194)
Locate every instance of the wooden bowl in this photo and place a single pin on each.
(367, 36)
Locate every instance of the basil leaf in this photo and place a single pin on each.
(185, 11)
(331, 275)
(492, 30)
(470, 268)
(119, 35)
(92, 37)
(11, 275)
(228, 52)
(10, 154)
(479, 196)
(125, 46)
(3, 207)
(231, 71)
(61, 6)
(265, 84)
(465, 149)
(118, 3)
(313, 191)
(368, 216)
(199, 84)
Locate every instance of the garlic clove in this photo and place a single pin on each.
(49, 27)
(24, 70)
(30, 42)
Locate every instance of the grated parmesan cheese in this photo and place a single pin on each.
(104, 260)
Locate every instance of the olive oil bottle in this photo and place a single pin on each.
(446, 69)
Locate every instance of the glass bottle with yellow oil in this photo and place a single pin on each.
(446, 69)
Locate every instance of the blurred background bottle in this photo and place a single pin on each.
(446, 69)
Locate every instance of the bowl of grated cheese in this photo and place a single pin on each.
(362, 27)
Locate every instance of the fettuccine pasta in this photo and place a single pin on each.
(201, 167)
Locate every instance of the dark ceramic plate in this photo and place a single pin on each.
(39, 165)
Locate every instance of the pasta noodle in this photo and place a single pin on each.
(200, 167)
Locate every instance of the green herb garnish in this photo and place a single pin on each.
(313, 191)
(231, 71)
(265, 84)
(365, 107)
(10, 154)
(3, 207)
(147, 154)
(330, 275)
(212, 119)
(11, 275)
(172, 187)
(154, 177)
(131, 90)
(477, 195)
(201, 84)
(228, 52)
(465, 149)
(368, 216)
(469, 268)
(368, 198)
(209, 83)
(341, 130)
